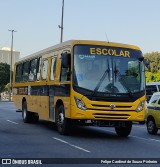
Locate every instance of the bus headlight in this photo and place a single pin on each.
(140, 106)
(80, 104)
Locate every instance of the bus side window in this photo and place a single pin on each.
(33, 70)
(65, 67)
(53, 68)
(45, 69)
(19, 73)
(38, 69)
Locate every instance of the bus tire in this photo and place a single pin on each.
(25, 114)
(124, 131)
(141, 122)
(151, 126)
(36, 119)
(62, 123)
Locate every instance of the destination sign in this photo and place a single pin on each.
(93, 50)
(111, 52)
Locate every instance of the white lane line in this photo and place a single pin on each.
(148, 139)
(12, 122)
(139, 126)
(72, 145)
(155, 140)
(141, 138)
(8, 109)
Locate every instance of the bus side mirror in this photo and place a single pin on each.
(66, 60)
(65, 66)
(147, 63)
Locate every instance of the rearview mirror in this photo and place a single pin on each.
(147, 63)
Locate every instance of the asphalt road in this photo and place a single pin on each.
(37, 141)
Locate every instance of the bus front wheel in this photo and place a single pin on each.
(62, 123)
(124, 131)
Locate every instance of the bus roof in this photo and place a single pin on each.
(105, 43)
(63, 45)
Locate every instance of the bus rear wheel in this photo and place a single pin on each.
(124, 131)
(63, 124)
(28, 116)
(25, 114)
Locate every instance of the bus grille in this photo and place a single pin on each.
(109, 116)
(118, 108)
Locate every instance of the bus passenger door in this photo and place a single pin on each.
(51, 89)
(44, 95)
(51, 103)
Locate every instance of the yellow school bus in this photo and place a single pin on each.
(82, 82)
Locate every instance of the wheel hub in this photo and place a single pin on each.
(60, 118)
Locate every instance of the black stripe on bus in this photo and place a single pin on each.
(59, 90)
(46, 90)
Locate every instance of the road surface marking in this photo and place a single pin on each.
(141, 138)
(72, 145)
(7, 109)
(148, 139)
(12, 122)
(139, 126)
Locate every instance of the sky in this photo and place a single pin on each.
(134, 22)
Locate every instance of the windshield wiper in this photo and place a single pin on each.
(101, 80)
(116, 72)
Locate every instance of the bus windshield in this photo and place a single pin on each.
(108, 69)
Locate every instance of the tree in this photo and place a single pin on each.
(7, 87)
(154, 74)
(4, 75)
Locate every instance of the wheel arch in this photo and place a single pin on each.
(24, 99)
(150, 117)
(59, 102)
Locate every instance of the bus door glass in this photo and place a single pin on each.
(43, 91)
(51, 89)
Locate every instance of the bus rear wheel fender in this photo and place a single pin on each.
(62, 123)
(124, 131)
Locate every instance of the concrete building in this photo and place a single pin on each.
(5, 56)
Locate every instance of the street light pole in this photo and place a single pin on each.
(61, 26)
(10, 88)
